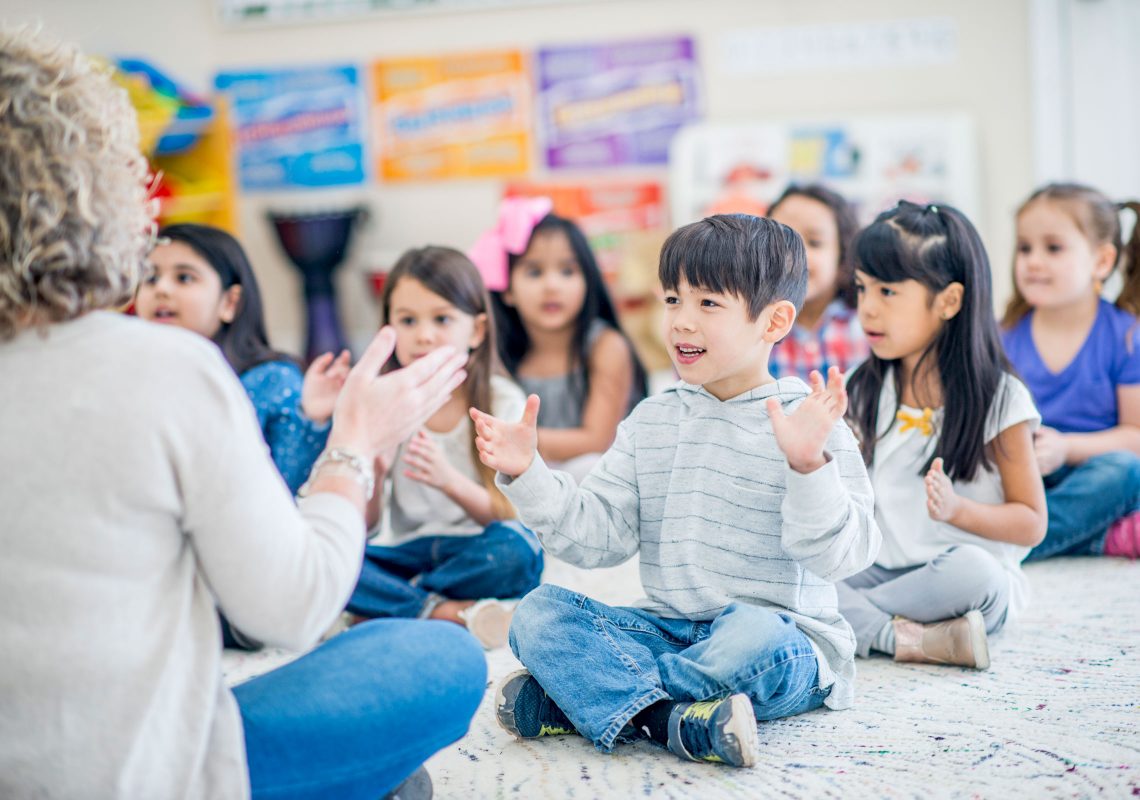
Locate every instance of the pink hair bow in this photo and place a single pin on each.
(517, 218)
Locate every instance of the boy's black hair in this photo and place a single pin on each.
(936, 246)
(243, 342)
(514, 343)
(754, 258)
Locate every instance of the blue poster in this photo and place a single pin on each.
(297, 128)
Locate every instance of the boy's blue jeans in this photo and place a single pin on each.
(407, 580)
(601, 665)
(361, 712)
(1084, 500)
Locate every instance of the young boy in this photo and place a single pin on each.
(747, 498)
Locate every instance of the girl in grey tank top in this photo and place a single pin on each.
(553, 266)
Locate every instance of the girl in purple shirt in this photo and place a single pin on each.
(1078, 355)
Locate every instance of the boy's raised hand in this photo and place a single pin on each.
(507, 447)
(802, 435)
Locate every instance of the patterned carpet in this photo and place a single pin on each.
(1057, 715)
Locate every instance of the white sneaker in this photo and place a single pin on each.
(489, 621)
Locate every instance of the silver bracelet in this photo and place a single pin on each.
(359, 468)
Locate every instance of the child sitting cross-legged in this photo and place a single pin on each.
(747, 499)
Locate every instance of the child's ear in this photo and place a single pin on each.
(781, 317)
(231, 297)
(1105, 261)
(949, 301)
(479, 333)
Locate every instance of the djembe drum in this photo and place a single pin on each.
(316, 243)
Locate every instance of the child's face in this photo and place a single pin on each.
(1056, 265)
(425, 321)
(902, 318)
(815, 222)
(713, 342)
(547, 285)
(182, 289)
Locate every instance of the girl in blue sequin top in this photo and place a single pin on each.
(200, 279)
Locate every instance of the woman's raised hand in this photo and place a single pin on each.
(375, 413)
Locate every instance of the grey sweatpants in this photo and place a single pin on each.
(963, 578)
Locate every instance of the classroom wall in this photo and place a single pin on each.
(990, 81)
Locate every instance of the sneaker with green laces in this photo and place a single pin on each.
(525, 710)
(721, 731)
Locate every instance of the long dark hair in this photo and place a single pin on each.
(1098, 219)
(514, 343)
(451, 275)
(846, 226)
(936, 246)
(243, 341)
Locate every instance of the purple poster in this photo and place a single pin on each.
(616, 104)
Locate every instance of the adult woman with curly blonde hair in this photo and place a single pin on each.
(137, 496)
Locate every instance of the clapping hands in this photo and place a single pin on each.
(802, 435)
(323, 381)
(507, 447)
(942, 502)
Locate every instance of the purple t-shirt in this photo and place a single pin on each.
(1081, 398)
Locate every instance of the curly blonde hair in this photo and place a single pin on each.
(75, 216)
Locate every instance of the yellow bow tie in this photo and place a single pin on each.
(921, 423)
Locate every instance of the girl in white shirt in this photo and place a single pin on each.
(457, 546)
(947, 434)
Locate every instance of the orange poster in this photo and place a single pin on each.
(460, 116)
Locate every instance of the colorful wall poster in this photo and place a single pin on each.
(873, 161)
(298, 127)
(613, 215)
(616, 104)
(461, 116)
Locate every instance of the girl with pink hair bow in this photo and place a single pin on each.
(559, 336)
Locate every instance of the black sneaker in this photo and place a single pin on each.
(721, 731)
(525, 710)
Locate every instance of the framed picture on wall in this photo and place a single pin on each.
(245, 12)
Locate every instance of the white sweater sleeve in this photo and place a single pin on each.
(280, 573)
(829, 515)
(595, 525)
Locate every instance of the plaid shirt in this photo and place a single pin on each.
(838, 341)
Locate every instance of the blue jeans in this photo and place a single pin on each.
(407, 580)
(1084, 500)
(356, 716)
(601, 665)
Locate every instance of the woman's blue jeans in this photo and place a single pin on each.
(601, 665)
(360, 713)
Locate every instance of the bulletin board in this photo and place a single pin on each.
(873, 161)
(244, 12)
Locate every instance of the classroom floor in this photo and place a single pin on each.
(1056, 715)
